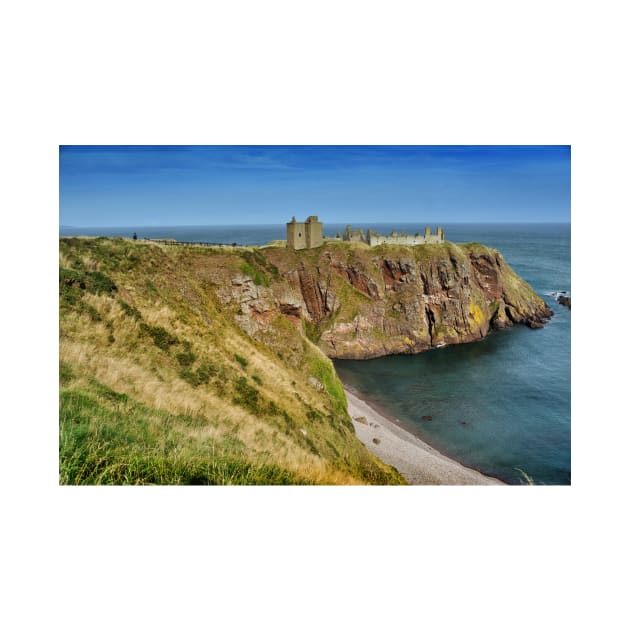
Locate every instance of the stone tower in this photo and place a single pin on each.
(305, 235)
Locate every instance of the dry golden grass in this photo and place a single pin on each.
(126, 376)
(296, 427)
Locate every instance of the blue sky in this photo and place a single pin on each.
(106, 186)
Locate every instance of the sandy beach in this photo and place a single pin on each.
(416, 461)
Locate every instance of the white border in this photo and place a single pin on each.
(293, 73)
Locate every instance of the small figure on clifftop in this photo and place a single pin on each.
(135, 236)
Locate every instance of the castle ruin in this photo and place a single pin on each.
(310, 233)
(374, 238)
(305, 235)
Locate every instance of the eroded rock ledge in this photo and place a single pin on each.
(358, 302)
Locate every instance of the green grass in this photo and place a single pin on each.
(186, 359)
(73, 284)
(98, 283)
(131, 311)
(91, 281)
(106, 438)
(200, 376)
(525, 479)
(92, 312)
(110, 437)
(255, 258)
(312, 331)
(160, 336)
(323, 370)
(66, 373)
(247, 396)
(256, 275)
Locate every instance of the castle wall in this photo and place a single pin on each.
(296, 235)
(314, 232)
(310, 233)
(374, 238)
(354, 236)
(304, 235)
(379, 239)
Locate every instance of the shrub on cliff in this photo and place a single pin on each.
(131, 414)
(160, 336)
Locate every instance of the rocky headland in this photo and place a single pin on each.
(359, 302)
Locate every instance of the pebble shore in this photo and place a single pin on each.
(417, 462)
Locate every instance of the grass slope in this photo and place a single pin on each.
(159, 385)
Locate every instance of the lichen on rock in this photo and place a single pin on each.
(370, 302)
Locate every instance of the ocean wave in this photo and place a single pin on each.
(558, 294)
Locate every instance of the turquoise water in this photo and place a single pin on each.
(501, 405)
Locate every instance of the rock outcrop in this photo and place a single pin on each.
(362, 302)
(562, 298)
(359, 302)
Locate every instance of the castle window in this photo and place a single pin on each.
(299, 233)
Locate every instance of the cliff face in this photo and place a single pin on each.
(214, 348)
(188, 365)
(360, 302)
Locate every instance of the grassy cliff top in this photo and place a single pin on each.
(158, 384)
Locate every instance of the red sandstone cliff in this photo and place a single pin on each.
(362, 302)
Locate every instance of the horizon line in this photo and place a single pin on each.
(77, 227)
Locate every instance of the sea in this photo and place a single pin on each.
(501, 405)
